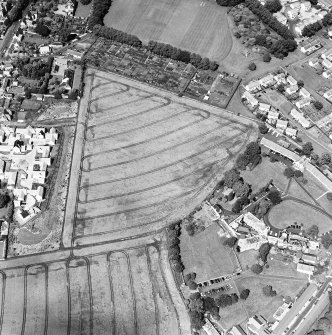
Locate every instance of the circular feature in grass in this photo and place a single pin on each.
(289, 211)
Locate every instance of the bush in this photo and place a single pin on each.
(298, 173)
(256, 268)
(263, 129)
(230, 242)
(192, 285)
(318, 105)
(329, 196)
(268, 291)
(252, 67)
(275, 197)
(266, 57)
(289, 173)
(244, 294)
(4, 199)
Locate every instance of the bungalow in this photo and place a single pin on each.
(328, 95)
(299, 117)
(293, 13)
(291, 80)
(253, 86)
(309, 259)
(280, 78)
(264, 107)
(75, 54)
(310, 46)
(327, 55)
(327, 64)
(267, 80)
(327, 74)
(313, 62)
(306, 6)
(326, 4)
(281, 18)
(44, 50)
(292, 89)
(304, 93)
(303, 102)
(272, 115)
(250, 99)
(291, 132)
(305, 268)
(281, 124)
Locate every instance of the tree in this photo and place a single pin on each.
(313, 231)
(231, 177)
(242, 161)
(298, 173)
(289, 173)
(325, 159)
(252, 67)
(326, 240)
(192, 285)
(268, 291)
(281, 88)
(42, 30)
(329, 196)
(237, 207)
(57, 95)
(263, 129)
(266, 57)
(275, 197)
(318, 105)
(256, 268)
(85, 2)
(244, 294)
(27, 92)
(241, 189)
(300, 83)
(4, 199)
(263, 251)
(273, 6)
(307, 148)
(224, 300)
(196, 319)
(230, 242)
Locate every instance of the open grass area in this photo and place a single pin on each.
(257, 302)
(263, 173)
(206, 255)
(83, 10)
(297, 191)
(288, 212)
(232, 315)
(185, 24)
(326, 204)
(313, 186)
(247, 258)
(278, 267)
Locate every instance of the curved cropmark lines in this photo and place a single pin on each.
(168, 317)
(123, 113)
(103, 310)
(107, 90)
(35, 314)
(147, 312)
(162, 134)
(79, 283)
(123, 294)
(14, 303)
(181, 145)
(58, 311)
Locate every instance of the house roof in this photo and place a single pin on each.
(279, 149)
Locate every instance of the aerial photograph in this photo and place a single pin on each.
(165, 167)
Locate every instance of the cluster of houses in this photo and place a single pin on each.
(273, 117)
(324, 62)
(253, 232)
(301, 11)
(292, 317)
(25, 157)
(310, 45)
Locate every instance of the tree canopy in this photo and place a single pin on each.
(307, 148)
(274, 196)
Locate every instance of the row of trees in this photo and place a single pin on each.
(116, 35)
(167, 50)
(85, 2)
(16, 11)
(174, 247)
(273, 6)
(312, 29)
(35, 70)
(251, 155)
(99, 10)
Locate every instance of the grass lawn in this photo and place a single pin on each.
(326, 204)
(288, 212)
(206, 255)
(313, 186)
(83, 10)
(232, 315)
(184, 24)
(278, 267)
(257, 302)
(263, 173)
(247, 258)
(297, 191)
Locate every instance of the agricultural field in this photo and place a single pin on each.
(148, 158)
(206, 255)
(117, 292)
(197, 26)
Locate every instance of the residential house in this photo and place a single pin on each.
(309, 259)
(256, 324)
(292, 89)
(267, 80)
(293, 13)
(252, 101)
(253, 86)
(75, 54)
(310, 46)
(281, 124)
(279, 149)
(303, 102)
(313, 62)
(305, 268)
(44, 50)
(306, 6)
(264, 108)
(280, 78)
(238, 330)
(326, 4)
(327, 55)
(327, 64)
(295, 5)
(327, 74)
(291, 81)
(328, 95)
(281, 18)
(291, 132)
(304, 93)
(273, 116)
